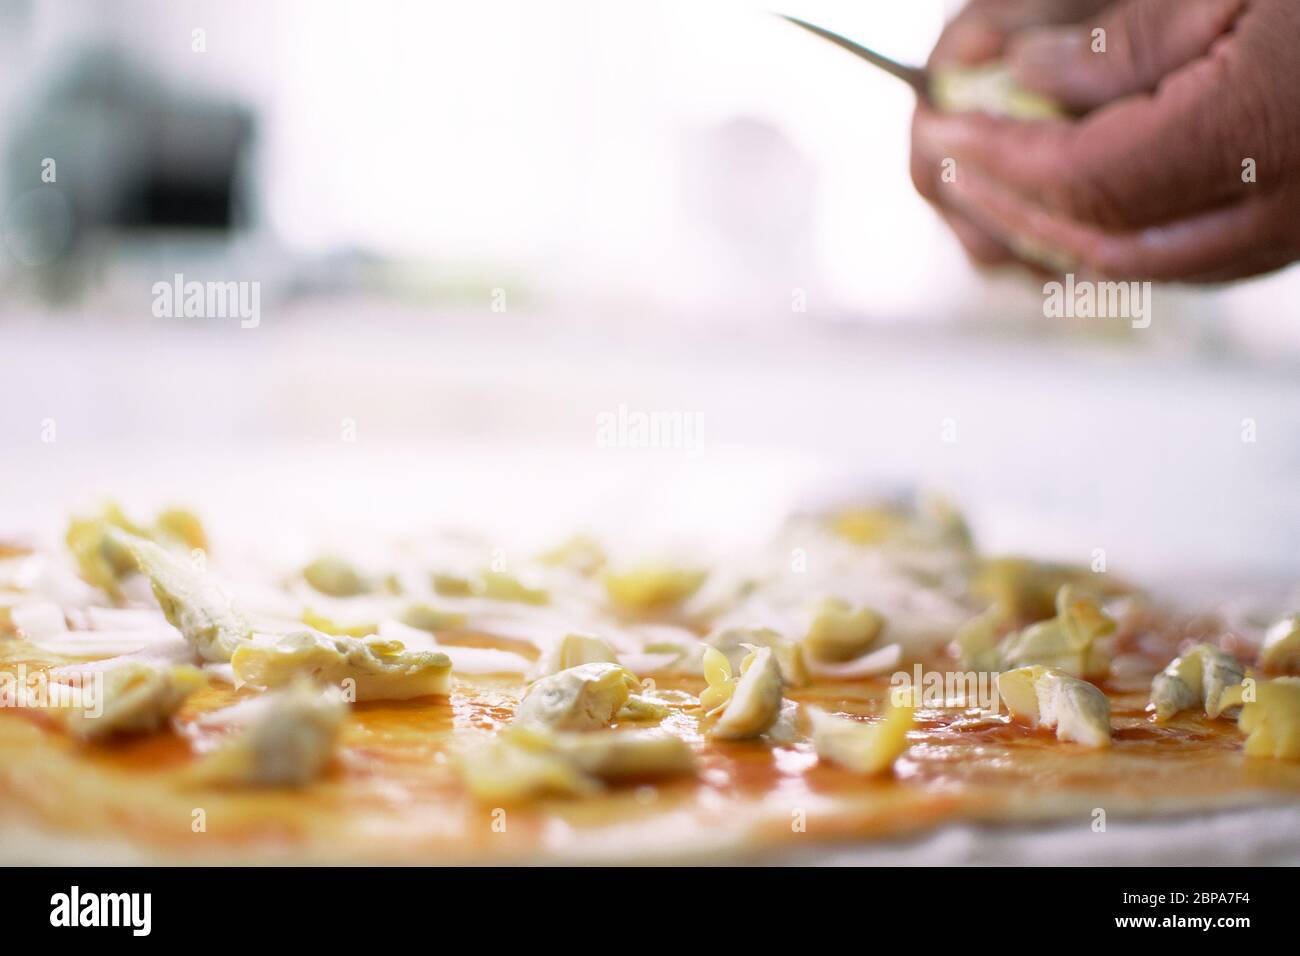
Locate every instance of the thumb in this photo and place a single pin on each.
(1129, 48)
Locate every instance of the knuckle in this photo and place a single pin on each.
(1085, 188)
(1144, 28)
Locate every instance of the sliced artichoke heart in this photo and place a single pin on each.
(573, 650)
(371, 668)
(652, 588)
(522, 763)
(1067, 642)
(717, 676)
(620, 754)
(839, 633)
(1280, 653)
(431, 619)
(1272, 719)
(863, 748)
(578, 698)
(137, 698)
(755, 703)
(193, 604)
(287, 744)
(519, 764)
(499, 586)
(1196, 679)
(976, 642)
(1045, 697)
(643, 708)
(734, 642)
(335, 577)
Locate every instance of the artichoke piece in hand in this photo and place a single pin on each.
(1045, 697)
(374, 668)
(1198, 678)
(137, 698)
(989, 88)
(578, 698)
(194, 605)
(864, 748)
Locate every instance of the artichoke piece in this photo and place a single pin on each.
(838, 633)
(1067, 642)
(1272, 720)
(137, 698)
(755, 704)
(1025, 591)
(451, 585)
(104, 562)
(519, 764)
(1045, 697)
(976, 642)
(1280, 653)
(184, 526)
(101, 560)
(335, 577)
(1198, 678)
(652, 588)
(523, 763)
(717, 674)
(498, 586)
(989, 88)
(579, 698)
(378, 669)
(573, 650)
(870, 525)
(864, 748)
(193, 604)
(581, 554)
(426, 618)
(621, 754)
(643, 707)
(288, 743)
(735, 641)
(326, 625)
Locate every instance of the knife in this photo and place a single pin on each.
(988, 88)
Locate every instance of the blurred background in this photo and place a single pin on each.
(474, 232)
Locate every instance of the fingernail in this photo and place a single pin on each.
(1048, 47)
(943, 134)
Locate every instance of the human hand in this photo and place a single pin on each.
(1185, 164)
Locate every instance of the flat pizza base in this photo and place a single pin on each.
(394, 795)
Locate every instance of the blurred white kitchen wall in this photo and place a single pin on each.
(698, 158)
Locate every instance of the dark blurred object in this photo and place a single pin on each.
(129, 154)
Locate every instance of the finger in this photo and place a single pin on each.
(1129, 48)
(1142, 161)
(981, 30)
(981, 247)
(1199, 245)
